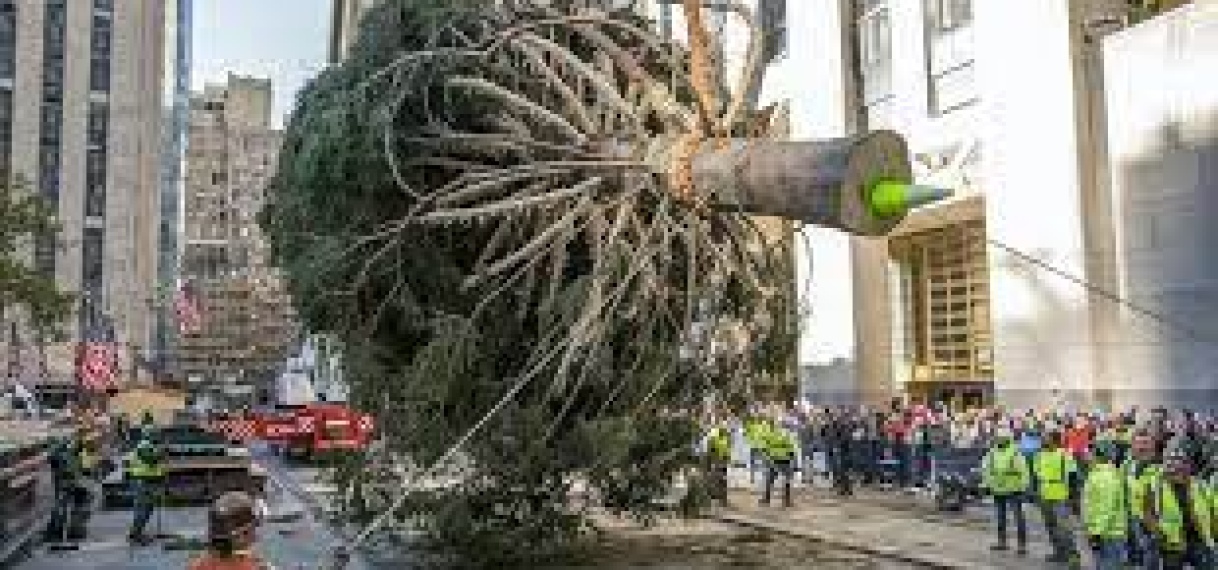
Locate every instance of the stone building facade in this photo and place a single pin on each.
(248, 326)
(80, 124)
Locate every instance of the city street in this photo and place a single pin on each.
(543, 284)
(820, 533)
(291, 538)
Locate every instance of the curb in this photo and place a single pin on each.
(872, 549)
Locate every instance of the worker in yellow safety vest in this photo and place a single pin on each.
(1005, 474)
(1140, 471)
(1211, 485)
(718, 458)
(1051, 467)
(88, 453)
(145, 472)
(1179, 511)
(1105, 507)
(754, 426)
(778, 447)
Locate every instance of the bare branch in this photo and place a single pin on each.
(519, 102)
(552, 79)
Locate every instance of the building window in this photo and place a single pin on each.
(98, 126)
(95, 159)
(949, 56)
(95, 183)
(953, 89)
(51, 122)
(8, 70)
(44, 255)
(99, 60)
(873, 37)
(666, 21)
(8, 39)
(773, 21)
(92, 262)
(6, 133)
(949, 15)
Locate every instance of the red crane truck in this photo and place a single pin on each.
(316, 429)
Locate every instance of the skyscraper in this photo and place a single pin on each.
(80, 120)
(247, 326)
(344, 25)
(176, 107)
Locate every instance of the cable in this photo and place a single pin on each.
(1089, 287)
(1102, 292)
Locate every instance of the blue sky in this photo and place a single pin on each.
(285, 40)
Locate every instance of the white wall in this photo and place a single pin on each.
(1040, 320)
(1162, 102)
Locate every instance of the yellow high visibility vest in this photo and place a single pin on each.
(141, 469)
(1052, 469)
(1171, 517)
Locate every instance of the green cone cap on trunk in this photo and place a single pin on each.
(890, 198)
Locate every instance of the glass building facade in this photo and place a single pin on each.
(176, 100)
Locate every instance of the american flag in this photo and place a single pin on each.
(97, 355)
(186, 307)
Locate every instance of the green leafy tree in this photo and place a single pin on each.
(24, 218)
(451, 204)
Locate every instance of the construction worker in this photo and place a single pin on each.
(69, 517)
(1179, 514)
(232, 524)
(754, 426)
(1140, 471)
(1105, 507)
(88, 453)
(146, 474)
(1052, 467)
(1004, 473)
(778, 448)
(1212, 485)
(718, 458)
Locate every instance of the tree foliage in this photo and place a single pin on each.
(472, 203)
(25, 217)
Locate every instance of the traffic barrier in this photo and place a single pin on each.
(271, 430)
(235, 429)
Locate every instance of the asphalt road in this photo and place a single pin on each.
(293, 537)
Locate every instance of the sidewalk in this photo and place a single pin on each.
(889, 524)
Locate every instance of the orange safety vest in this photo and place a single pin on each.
(239, 561)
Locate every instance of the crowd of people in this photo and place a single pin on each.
(1140, 487)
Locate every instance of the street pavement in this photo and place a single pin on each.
(291, 538)
(895, 525)
(901, 527)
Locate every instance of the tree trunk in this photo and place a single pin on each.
(823, 182)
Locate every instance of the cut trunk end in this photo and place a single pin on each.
(861, 185)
